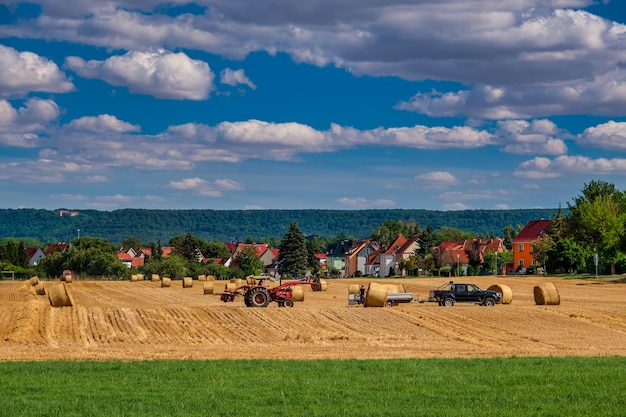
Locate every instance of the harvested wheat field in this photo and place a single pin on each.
(142, 320)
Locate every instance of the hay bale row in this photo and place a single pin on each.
(321, 286)
(546, 294)
(166, 282)
(34, 280)
(214, 287)
(187, 282)
(40, 289)
(59, 296)
(505, 290)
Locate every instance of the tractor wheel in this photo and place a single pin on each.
(288, 302)
(258, 297)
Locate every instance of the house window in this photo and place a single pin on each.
(520, 262)
(520, 247)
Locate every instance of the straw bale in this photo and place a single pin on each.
(140, 277)
(59, 296)
(507, 294)
(187, 282)
(376, 295)
(166, 282)
(34, 280)
(297, 293)
(40, 289)
(201, 278)
(239, 282)
(155, 278)
(546, 294)
(230, 286)
(210, 277)
(250, 280)
(134, 278)
(354, 289)
(207, 287)
(68, 278)
(322, 286)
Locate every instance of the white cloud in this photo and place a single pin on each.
(437, 179)
(21, 127)
(235, 77)
(160, 74)
(23, 72)
(360, 202)
(610, 136)
(534, 137)
(565, 165)
(102, 124)
(206, 188)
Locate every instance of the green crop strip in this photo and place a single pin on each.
(413, 387)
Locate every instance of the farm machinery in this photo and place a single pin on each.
(260, 295)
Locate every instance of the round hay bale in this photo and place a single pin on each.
(201, 278)
(34, 280)
(354, 288)
(376, 295)
(166, 282)
(505, 290)
(207, 287)
(321, 286)
(155, 278)
(68, 279)
(210, 277)
(547, 294)
(230, 286)
(187, 282)
(40, 289)
(59, 296)
(133, 278)
(239, 282)
(140, 277)
(297, 293)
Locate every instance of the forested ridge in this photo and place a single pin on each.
(230, 225)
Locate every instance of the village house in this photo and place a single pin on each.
(523, 243)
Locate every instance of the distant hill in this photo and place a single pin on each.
(230, 225)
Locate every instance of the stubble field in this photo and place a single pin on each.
(141, 320)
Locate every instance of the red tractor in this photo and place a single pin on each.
(259, 295)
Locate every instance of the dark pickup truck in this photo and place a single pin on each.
(451, 293)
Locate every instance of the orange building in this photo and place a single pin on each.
(523, 243)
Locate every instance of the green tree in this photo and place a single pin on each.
(566, 255)
(293, 252)
(447, 233)
(390, 229)
(541, 248)
(132, 242)
(426, 242)
(248, 261)
(597, 219)
(174, 266)
(508, 234)
(187, 246)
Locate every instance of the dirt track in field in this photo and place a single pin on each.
(140, 320)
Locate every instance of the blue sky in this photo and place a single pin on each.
(242, 104)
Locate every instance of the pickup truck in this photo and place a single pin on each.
(451, 293)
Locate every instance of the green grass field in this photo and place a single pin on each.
(414, 387)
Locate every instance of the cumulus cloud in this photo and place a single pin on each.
(610, 136)
(235, 77)
(22, 127)
(23, 72)
(160, 74)
(206, 188)
(437, 179)
(360, 202)
(534, 137)
(102, 124)
(566, 165)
